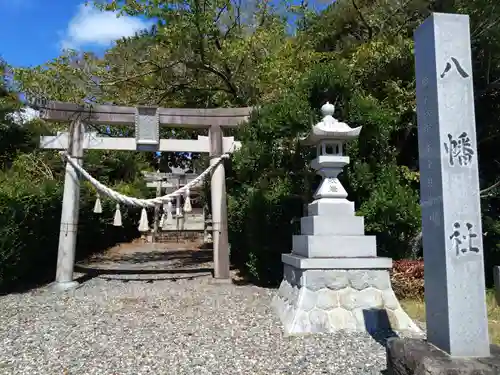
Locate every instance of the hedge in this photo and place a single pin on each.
(407, 278)
(29, 229)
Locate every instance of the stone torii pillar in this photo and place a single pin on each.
(219, 207)
(69, 212)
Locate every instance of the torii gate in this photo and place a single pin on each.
(147, 121)
(170, 181)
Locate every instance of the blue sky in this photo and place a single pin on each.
(34, 32)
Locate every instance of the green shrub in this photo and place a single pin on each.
(261, 229)
(392, 213)
(30, 214)
(270, 180)
(268, 183)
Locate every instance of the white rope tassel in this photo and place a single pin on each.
(163, 218)
(178, 206)
(162, 221)
(187, 202)
(164, 224)
(98, 205)
(143, 223)
(170, 211)
(117, 221)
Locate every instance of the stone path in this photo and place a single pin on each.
(167, 324)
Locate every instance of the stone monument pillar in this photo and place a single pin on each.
(333, 279)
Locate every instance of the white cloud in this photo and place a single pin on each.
(92, 27)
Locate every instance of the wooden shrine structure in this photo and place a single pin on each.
(168, 182)
(147, 122)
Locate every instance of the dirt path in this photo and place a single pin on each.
(140, 256)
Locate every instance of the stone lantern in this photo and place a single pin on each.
(333, 279)
(330, 136)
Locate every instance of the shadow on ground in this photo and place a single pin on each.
(151, 261)
(377, 324)
(379, 327)
(171, 277)
(145, 261)
(186, 257)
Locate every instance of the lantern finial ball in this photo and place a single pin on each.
(328, 109)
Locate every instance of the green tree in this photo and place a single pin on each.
(14, 136)
(205, 53)
(355, 53)
(367, 68)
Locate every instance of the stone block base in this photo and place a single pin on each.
(327, 300)
(418, 357)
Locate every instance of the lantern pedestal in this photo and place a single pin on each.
(333, 279)
(329, 167)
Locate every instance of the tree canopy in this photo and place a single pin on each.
(286, 60)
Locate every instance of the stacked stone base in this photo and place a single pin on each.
(328, 300)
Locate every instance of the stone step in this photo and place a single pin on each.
(303, 263)
(333, 225)
(328, 246)
(331, 207)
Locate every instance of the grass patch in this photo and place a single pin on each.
(415, 308)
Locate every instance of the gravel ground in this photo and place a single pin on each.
(187, 326)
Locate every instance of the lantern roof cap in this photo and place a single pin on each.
(330, 128)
